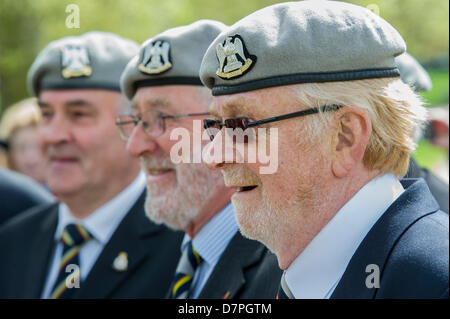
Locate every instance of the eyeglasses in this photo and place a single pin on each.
(214, 126)
(153, 122)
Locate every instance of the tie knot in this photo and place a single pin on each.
(75, 235)
(193, 256)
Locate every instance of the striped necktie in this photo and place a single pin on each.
(284, 292)
(184, 274)
(73, 237)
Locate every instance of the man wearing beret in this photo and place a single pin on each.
(96, 242)
(322, 75)
(413, 74)
(167, 96)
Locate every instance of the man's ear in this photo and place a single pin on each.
(353, 132)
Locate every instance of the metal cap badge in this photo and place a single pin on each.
(75, 62)
(234, 59)
(156, 58)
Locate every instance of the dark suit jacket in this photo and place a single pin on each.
(245, 270)
(27, 245)
(409, 244)
(438, 188)
(19, 193)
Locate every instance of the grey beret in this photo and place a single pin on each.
(92, 60)
(172, 57)
(299, 42)
(412, 73)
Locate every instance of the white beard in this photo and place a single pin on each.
(178, 206)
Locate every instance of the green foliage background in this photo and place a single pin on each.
(26, 26)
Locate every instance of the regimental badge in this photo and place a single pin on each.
(75, 62)
(121, 262)
(156, 58)
(234, 59)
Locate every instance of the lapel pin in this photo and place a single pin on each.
(121, 262)
(226, 295)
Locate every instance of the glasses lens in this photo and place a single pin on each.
(153, 123)
(212, 127)
(237, 122)
(239, 126)
(125, 125)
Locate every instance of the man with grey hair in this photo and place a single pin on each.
(413, 74)
(168, 100)
(321, 75)
(96, 242)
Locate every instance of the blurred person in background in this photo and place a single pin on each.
(96, 242)
(20, 150)
(3, 153)
(435, 129)
(19, 193)
(19, 128)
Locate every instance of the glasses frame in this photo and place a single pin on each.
(161, 116)
(245, 123)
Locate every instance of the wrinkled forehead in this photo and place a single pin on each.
(98, 97)
(153, 98)
(251, 103)
(170, 99)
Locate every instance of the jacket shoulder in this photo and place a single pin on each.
(29, 219)
(418, 263)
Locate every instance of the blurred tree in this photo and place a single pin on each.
(26, 26)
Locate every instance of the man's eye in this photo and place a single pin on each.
(79, 114)
(46, 115)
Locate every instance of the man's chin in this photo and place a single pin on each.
(243, 213)
(161, 217)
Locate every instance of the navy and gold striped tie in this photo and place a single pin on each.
(284, 292)
(184, 274)
(73, 237)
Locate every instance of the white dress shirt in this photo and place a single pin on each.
(315, 273)
(101, 224)
(210, 242)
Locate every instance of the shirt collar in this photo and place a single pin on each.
(103, 222)
(211, 241)
(317, 270)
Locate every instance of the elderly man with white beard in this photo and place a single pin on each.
(162, 82)
(322, 74)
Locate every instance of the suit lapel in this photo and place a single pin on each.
(40, 254)
(415, 203)
(131, 237)
(228, 277)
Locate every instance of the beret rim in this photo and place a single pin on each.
(175, 80)
(298, 78)
(90, 85)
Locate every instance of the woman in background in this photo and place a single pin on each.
(19, 128)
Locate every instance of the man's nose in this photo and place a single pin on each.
(220, 152)
(57, 131)
(140, 142)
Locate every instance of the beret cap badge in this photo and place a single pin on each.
(156, 58)
(75, 61)
(234, 59)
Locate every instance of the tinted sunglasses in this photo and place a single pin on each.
(213, 126)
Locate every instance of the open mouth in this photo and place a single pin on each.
(246, 188)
